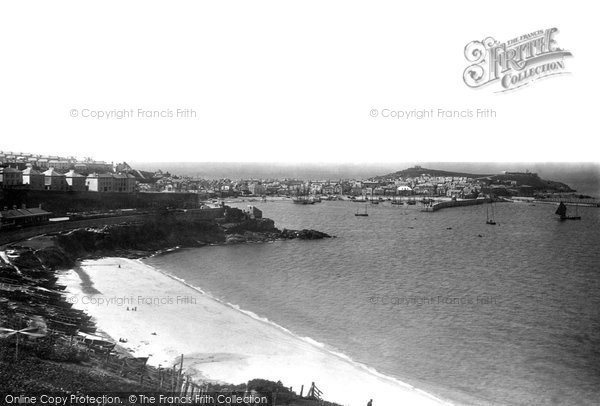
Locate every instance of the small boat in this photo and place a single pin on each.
(562, 212)
(301, 197)
(395, 201)
(361, 214)
(303, 201)
(490, 219)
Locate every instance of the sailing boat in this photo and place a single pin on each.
(562, 212)
(302, 198)
(359, 214)
(490, 219)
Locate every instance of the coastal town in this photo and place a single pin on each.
(56, 213)
(19, 170)
(38, 189)
(35, 188)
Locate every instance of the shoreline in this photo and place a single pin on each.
(220, 341)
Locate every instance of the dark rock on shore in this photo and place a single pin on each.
(139, 239)
(303, 234)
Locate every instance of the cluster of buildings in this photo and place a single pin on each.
(52, 179)
(504, 184)
(23, 216)
(20, 160)
(41, 172)
(244, 187)
(423, 184)
(419, 185)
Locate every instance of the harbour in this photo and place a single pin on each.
(508, 295)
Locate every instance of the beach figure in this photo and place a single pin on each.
(127, 308)
(370, 402)
(119, 266)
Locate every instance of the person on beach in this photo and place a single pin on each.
(370, 402)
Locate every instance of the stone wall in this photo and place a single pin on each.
(8, 236)
(61, 202)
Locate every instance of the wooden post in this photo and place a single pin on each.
(311, 391)
(180, 376)
(143, 370)
(172, 380)
(187, 385)
(301, 390)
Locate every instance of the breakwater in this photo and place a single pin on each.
(454, 203)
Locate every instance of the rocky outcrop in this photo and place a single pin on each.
(31, 271)
(303, 234)
(143, 238)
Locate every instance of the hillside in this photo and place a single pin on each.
(521, 178)
(418, 171)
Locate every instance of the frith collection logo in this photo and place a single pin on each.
(515, 63)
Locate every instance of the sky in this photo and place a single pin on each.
(281, 81)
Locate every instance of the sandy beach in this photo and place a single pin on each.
(219, 342)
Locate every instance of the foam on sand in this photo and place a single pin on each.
(219, 341)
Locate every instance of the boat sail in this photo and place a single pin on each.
(561, 210)
(490, 218)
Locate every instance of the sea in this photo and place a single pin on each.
(473, 313)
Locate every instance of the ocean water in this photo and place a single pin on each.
(478, 314)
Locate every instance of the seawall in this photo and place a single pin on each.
(455, 203)
(28, 232)
(62, 202)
